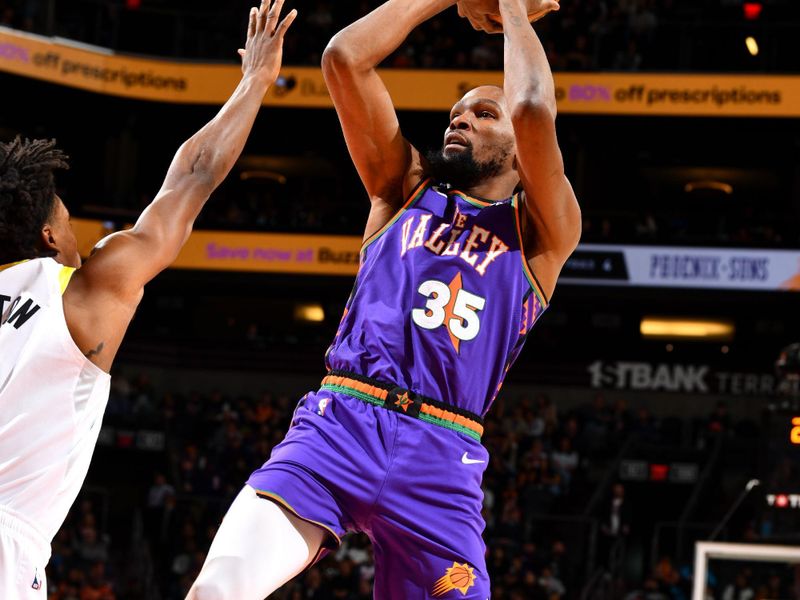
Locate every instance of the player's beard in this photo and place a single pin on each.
(461, 170)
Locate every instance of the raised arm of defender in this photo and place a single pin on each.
(102, 297)
(388, 165)
(554, 217)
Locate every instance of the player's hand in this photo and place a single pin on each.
(477, 13)
(541, 8)
(538, 9)
(484, 15)
(263, 52)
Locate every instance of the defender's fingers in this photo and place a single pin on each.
(274, 14)
(240, 52)
(262, 15)
(251, 23)
(287, 21)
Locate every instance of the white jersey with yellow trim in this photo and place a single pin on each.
(52, 400)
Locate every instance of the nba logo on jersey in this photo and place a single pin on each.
(323, 404)
(36, 583)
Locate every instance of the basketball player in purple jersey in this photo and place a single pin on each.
(455, 269)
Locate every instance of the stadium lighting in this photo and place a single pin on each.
(313, 313)
(752, 45)
(682, 328)
(752, 10)
(262, 174)
(717, 186)
(794, 434)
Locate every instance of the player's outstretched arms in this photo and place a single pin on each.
(389, 166)
(102, 297)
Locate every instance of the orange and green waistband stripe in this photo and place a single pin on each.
(405, 401)
(358, 389)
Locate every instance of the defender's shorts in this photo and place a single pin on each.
(23, 557)
(413, 487)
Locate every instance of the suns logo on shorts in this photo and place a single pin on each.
(458, 577)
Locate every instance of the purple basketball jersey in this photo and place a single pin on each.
(443, 300)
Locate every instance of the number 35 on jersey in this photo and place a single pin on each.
(452, 307)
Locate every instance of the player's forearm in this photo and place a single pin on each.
(209, 155)
(528, 80)
(368, 41)
(199, 166)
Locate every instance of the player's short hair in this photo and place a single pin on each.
(27, 195)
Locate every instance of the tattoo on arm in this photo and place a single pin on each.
(96, 351)
(516, 20)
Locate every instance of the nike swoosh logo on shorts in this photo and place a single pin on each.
(470, 461)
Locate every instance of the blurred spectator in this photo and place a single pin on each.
(565, 462)
(90, 546)
(740, 589)
(553, 587)
(97, 587)
(159, 492)
(615, 527)
(649, 591)
(720, 420)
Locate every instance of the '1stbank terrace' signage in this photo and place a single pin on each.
(692, 379)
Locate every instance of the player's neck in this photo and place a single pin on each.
(494, 188)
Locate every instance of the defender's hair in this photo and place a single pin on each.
(27, 195)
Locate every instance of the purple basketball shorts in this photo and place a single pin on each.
(412, 487)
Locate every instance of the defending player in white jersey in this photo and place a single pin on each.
(61, 323)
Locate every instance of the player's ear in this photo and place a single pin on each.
(47, 239)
